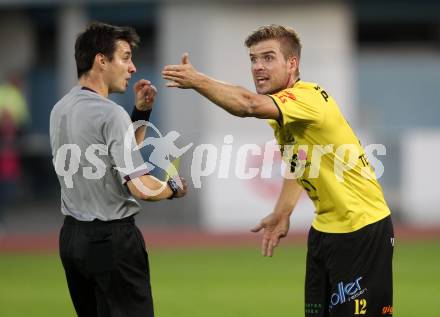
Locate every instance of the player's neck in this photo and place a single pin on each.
(292, 80)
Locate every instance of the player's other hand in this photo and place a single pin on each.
(183, 75)
(144, 93)
(182, 187)
(275, 226)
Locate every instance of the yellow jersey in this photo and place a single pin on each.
(327, 159)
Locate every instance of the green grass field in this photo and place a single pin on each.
(218, 282)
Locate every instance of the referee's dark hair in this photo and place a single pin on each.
(289, 39)
(100, 38)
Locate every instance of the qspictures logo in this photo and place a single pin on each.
(301, 161)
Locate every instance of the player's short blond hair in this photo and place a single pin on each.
(288, 38)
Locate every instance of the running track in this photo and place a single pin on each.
(175, 239)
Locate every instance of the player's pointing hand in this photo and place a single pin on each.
(185, 58)
(183, 75)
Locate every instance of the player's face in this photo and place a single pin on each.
(120, 68)
(270, 70)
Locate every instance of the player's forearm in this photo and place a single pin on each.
(236, 100)
(289, 196)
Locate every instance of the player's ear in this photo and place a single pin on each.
(293, 63)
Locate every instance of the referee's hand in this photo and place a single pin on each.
(275, 226)
(145, 94)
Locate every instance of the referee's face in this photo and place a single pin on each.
(270, 70)
(120, 68)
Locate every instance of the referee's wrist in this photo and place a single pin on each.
(137, 114)
(174, 188)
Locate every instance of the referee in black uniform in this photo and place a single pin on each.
(102, 251)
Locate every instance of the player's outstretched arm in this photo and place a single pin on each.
(236, 100)
(276, 225)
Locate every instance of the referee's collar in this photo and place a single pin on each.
(89, 89)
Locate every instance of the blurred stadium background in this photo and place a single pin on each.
(379, 59)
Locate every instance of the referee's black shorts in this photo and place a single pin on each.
(350, 274)
(106, 266)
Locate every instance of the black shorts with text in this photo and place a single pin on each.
(350, 274)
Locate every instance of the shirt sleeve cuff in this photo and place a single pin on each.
(135, 175)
